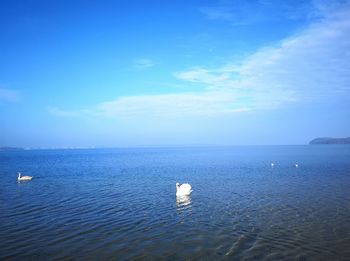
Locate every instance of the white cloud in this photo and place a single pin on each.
(312, 65)
(9, 95)
(249, 12)
(143, 63)
(207, 104)
(172, 105)
(211, 78)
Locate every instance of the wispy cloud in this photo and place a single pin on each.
(171, 105)
(312, 65)
(211, 78)
(143, 63)
(243, 12)
(162, 106)
(9, 95)
(248, 92)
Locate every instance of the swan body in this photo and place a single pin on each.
(183, 189)
(23, 178)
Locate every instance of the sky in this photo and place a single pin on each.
(167, 73)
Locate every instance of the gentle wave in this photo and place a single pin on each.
(95, 204)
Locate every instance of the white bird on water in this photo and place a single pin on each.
(296, 165)
(183, 189)
(23, 178)
(272, 164)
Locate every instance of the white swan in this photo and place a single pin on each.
(183, 189)
(272, 164)
(296, 165)
(23, 178)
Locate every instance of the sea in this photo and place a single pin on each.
(120, 204)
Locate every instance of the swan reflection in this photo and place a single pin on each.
(183, 201)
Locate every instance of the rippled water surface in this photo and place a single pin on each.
(120, 204)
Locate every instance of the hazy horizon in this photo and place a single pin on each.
(164, 146)
(198, 73)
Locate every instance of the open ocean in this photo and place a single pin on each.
(120, 204)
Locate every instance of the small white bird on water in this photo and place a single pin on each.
(272, 164)
(23, 178)
(183, 189)
(296, 165)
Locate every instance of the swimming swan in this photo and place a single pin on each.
(24, 178)
(183, 189)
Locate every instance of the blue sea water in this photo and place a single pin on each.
(120, 204)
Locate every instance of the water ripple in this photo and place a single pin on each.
(108, 204)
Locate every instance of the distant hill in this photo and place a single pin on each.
(10, 148)
(330, 141)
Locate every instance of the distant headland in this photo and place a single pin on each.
(10, 148)
(330, 141)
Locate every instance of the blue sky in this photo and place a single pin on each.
(140, 73)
